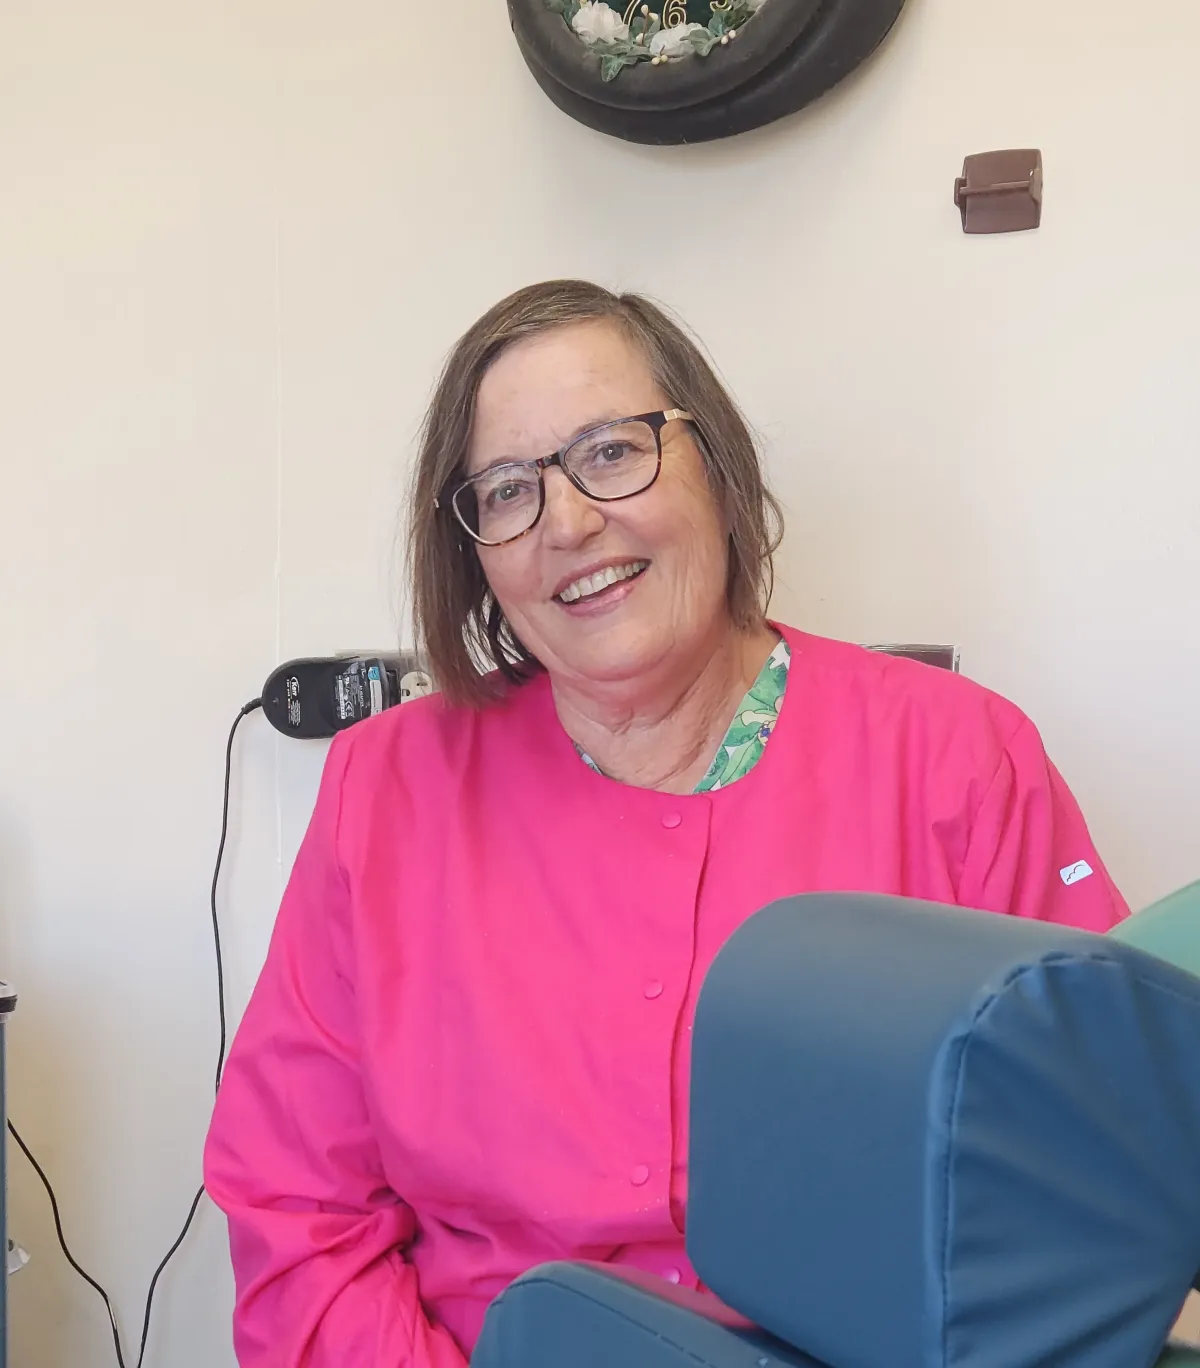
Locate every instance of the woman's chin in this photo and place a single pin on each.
(612, 657)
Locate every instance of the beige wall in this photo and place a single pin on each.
(234, 242)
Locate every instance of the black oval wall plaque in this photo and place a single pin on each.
(791, 52)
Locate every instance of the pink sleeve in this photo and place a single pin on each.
(1030, 853)
(317, 1236)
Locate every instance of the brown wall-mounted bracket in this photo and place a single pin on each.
(1000, 192)
(944, 657)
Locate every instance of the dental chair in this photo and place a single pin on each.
(920, 1137)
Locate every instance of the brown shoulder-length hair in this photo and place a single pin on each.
(458, 622)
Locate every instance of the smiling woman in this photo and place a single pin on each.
(468, 1050)
(569, 369)
(629, 491)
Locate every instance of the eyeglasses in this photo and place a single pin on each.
(610, 462)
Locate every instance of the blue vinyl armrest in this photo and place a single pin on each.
(576, 1315)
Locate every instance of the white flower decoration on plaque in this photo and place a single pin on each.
(642, 34)
(596, 22)
(672, 43)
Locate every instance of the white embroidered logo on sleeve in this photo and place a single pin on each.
(1073, 873)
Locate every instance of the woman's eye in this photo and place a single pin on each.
(505, 493)
(611, 452)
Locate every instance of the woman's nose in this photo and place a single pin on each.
(569, 517)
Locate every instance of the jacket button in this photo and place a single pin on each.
(672, 1275)
(640, 1175)
(653, 989)
(671, 819)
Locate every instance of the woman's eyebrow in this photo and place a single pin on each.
(524, 460)
(501, 461)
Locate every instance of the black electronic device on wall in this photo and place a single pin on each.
(318, 696)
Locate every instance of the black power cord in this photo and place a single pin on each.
(191, 1216)
(246, 710)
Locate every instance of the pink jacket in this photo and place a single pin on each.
(468, 1051)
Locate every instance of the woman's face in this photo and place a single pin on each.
(537, 396)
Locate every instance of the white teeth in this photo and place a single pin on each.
(592, 584)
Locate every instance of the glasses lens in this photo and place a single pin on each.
(615, 461)
(500, 503)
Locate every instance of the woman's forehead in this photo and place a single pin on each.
(543, 390)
